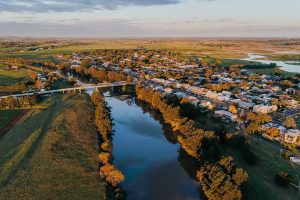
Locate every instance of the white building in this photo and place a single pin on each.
(265, 109)
(295, 160)
(226, 114)
(291, 136)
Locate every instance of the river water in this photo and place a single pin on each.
(152, 164)
(285, 65)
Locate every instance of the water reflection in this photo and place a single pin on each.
(148, 160)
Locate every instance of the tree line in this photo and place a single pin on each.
(104, 124)
(219, 177)
(19, 86)
(21, 102)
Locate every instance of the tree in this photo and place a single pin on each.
(290, 122)
(277, 71)
(282, 178)
(209, 72)
(104, 158)
(111, 175)
(253, 127)
(222, 180)
(10, 102)
(286, 83)
(273, 132)
(96, 98)
(232, 109)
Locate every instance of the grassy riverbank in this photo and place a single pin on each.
(53, 153)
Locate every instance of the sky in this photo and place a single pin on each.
(150, 18)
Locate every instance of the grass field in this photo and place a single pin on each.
(8, 77)
(52, 154)
(60, 85)
(7, 115)
(261, 184)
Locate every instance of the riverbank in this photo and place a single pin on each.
(109, 173)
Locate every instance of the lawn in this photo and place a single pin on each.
(61, 84)
(53, 153)
(9, 77)
(7, 115)
(261, 184)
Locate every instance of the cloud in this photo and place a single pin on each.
(74, 5)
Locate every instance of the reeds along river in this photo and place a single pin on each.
(154, 167)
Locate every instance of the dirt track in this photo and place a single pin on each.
(12, 123)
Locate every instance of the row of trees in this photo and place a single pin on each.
(218, 177)
(19, 86)
(102, 74)
(103, 122)
(30, 62)
(22, 102)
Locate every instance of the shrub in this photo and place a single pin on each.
(282, 179)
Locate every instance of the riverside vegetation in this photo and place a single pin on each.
(103, 122)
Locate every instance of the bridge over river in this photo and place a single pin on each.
(73, 89)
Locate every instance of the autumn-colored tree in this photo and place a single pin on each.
(290, 122)
(232, 109)
(222, 180)
(286, 83)
(209, 72)
(104, 158)
(111, 175)
(253, 127)
(96, 97)
(277, 70)
(272, 132)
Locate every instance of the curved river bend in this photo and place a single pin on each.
(148, 160)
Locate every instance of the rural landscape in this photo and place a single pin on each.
(139, 117)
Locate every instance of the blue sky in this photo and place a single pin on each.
(150, 18)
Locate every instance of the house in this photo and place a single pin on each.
(193, 100)
(295, 160)
(14, 67)
(264, 109)
(206, 104)
(291, 136)
(180, 94)
(168, 90)
(245, 105)
(226, 114)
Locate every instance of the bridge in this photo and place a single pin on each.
(74, 89)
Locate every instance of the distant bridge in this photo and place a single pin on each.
(74, 89)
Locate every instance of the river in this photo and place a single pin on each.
(152, 164)
(285, 65)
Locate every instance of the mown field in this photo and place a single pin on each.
(7, 115)
(53, 153)
(9, 77)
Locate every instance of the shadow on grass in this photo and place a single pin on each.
(20, 143)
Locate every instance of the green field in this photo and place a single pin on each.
(53, 153)
(7, 115)
(9, 77)
(261, 184)
(60, 85)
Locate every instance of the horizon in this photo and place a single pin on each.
(144, 19)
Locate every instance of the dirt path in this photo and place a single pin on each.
(12, 123)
